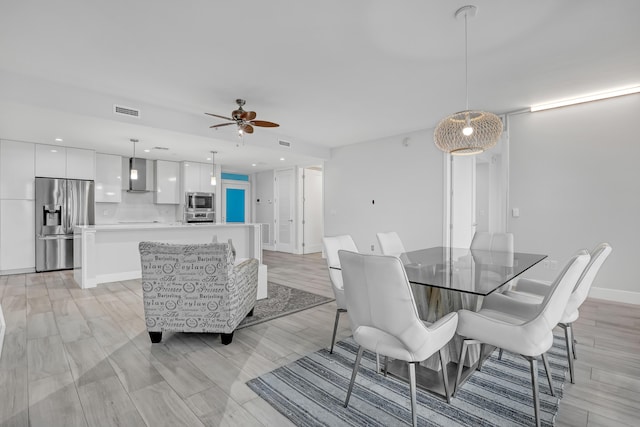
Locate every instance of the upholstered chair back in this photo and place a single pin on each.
(554, 303)
(390, 243)
(484, 240)
(379, 298)
(599, 254)
(195, 287)
(331, 247)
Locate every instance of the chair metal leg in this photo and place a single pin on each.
(500, 354)
(412, 387)
(356, 365)
(335, 328)
(445, 376)
(463, 353)
(533, 362)
(386, 365)
(545, 361)
(568, 339)
(480, 360)
(377, 363)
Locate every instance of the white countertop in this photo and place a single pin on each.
(156, 225)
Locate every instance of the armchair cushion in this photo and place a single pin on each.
(196, 288)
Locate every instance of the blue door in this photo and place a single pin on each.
(235, 205)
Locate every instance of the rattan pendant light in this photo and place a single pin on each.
(467, 132)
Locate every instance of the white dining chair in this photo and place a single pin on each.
(484, 240)
(331, 247)
(520, 327)
(390, 244)
(384, 318)
(534, 291)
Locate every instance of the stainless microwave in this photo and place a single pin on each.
(200, 202)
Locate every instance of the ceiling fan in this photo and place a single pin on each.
(244, 119)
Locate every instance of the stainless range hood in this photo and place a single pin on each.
(138, 185)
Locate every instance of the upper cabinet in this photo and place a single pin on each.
(81, 164)
(167, 182)
(109, 178)
(51, 161)
(64, 162)
(17, 170)
(197, 177)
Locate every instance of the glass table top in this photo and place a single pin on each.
(464, 270)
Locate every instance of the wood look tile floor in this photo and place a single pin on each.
(77, 357)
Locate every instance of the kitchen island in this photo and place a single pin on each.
(109, 252)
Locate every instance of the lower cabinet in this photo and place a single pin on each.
(17, 235)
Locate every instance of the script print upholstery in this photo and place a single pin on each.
(196, 288)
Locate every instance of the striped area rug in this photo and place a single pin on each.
(311, 392)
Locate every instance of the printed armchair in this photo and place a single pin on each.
(196, 288)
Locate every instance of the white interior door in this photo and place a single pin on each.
(463, 200)
(312, 222)
(284, 240)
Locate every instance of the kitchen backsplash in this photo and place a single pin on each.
(135, 207)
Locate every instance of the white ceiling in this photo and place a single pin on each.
(331, 72)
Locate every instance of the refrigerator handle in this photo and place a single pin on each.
(71, 207)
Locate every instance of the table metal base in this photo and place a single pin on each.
(430, 379)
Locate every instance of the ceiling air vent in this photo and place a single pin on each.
(285, 144)
(126, 111)
(160, 148)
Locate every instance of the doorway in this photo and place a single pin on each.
(235, 201)
(284, 236)
(311, 206)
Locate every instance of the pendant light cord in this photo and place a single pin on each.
(466, 62)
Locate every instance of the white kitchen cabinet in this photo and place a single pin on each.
(51, 161)
(197, 177)
(167, 179)
(17, 170)
(17, 235)
(109, 178)
(81, 164)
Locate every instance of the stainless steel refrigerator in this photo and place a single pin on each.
(61, 204)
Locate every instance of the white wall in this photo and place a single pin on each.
(263, 191)
(575, 177)
(405, 182)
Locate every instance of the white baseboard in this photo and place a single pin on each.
(17, 271)
(615, 295)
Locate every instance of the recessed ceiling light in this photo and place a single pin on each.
(253, 164)
(58, 139)
(54, 151)
(281, 158)
(208, 158)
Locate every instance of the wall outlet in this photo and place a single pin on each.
(553, 264)
(373, 248)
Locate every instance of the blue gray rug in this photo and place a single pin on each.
(311, 392)
(281, 301)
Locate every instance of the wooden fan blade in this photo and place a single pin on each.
(247, 128)
(248, 115)
(220, 117)
(264, 124)
(223, 124)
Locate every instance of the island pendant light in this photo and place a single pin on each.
(213, 168)
(470, 131)
(133, 173)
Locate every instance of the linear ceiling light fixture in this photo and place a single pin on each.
(587, 98)
(469, 131)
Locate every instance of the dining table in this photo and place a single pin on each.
(446, 279)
